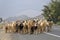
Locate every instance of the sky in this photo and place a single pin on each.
(31, 8)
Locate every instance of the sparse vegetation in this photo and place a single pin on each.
(0, 20)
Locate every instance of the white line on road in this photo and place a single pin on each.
(52, 34)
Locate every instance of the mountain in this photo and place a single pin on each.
(22, 17)
(39, 17)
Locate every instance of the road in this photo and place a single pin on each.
(53, 35)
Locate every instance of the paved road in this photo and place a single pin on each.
(54, 35)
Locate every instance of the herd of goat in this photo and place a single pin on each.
(29, 26)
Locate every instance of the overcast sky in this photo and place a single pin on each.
(31, 8)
